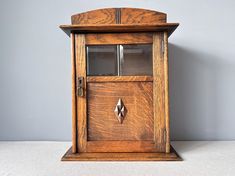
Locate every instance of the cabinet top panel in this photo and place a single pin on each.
(119, 19)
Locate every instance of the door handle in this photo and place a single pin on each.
(80, 86)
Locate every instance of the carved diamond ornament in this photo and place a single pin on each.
(120, 110)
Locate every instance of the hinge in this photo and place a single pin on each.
(162, 46)
(80, 86)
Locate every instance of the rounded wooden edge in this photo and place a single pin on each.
(120, 28)
(172, 156)
(119, 16)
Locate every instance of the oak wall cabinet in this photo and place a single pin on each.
(120, 85)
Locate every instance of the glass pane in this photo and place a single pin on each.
(102, 60)
(136, 59)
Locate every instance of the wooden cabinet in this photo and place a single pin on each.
(120, 85)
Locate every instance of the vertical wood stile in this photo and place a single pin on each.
(158, 92)
(81, 101)
(166, 92)
(74, 114)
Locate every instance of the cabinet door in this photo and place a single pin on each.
(121, 107)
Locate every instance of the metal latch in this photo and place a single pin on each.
(80, 86)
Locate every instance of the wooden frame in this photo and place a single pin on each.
(81, 101)
(118, 38)
(166, 92)
(125, 38)
(119, 20)
(158, 93)
(172, 156)
(169, 27)
(119, 78)
(117, 28)
(74, 102)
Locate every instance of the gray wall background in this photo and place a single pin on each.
(35, 96)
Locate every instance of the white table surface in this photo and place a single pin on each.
(43, 159)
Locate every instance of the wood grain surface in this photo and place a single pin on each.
(143, 156)
(166, 93)
(118, 78)
(107, 28)
(119, 38)
(138, 121)
(119, 16)
(119, 20)
(144, 133)
(100, 16)
(134, 16)
(74, 98)
(81, 101)
(159, 91)
(122, 146)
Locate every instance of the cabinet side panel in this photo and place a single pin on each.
(74, 114)
(81, 100)
(158, 91)
(166, 92)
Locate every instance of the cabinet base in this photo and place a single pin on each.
(172, 156)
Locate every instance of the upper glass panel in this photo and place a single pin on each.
(136, 60)
(119, 60)
(102, 60)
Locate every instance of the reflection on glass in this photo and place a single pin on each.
(136, 59)
(102, 60)
(119, 60)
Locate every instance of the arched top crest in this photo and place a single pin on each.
(119, 16)
(119, 20)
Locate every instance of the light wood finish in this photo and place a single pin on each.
(91, 28)
(121, 146)
(137, 99)
(172, 156)
(119, 38)
(166, 86)
(135, 16)
(158, 91)
(81, 101)
(74, 103)
(118, 78)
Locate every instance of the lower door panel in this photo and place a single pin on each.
(105, 132)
